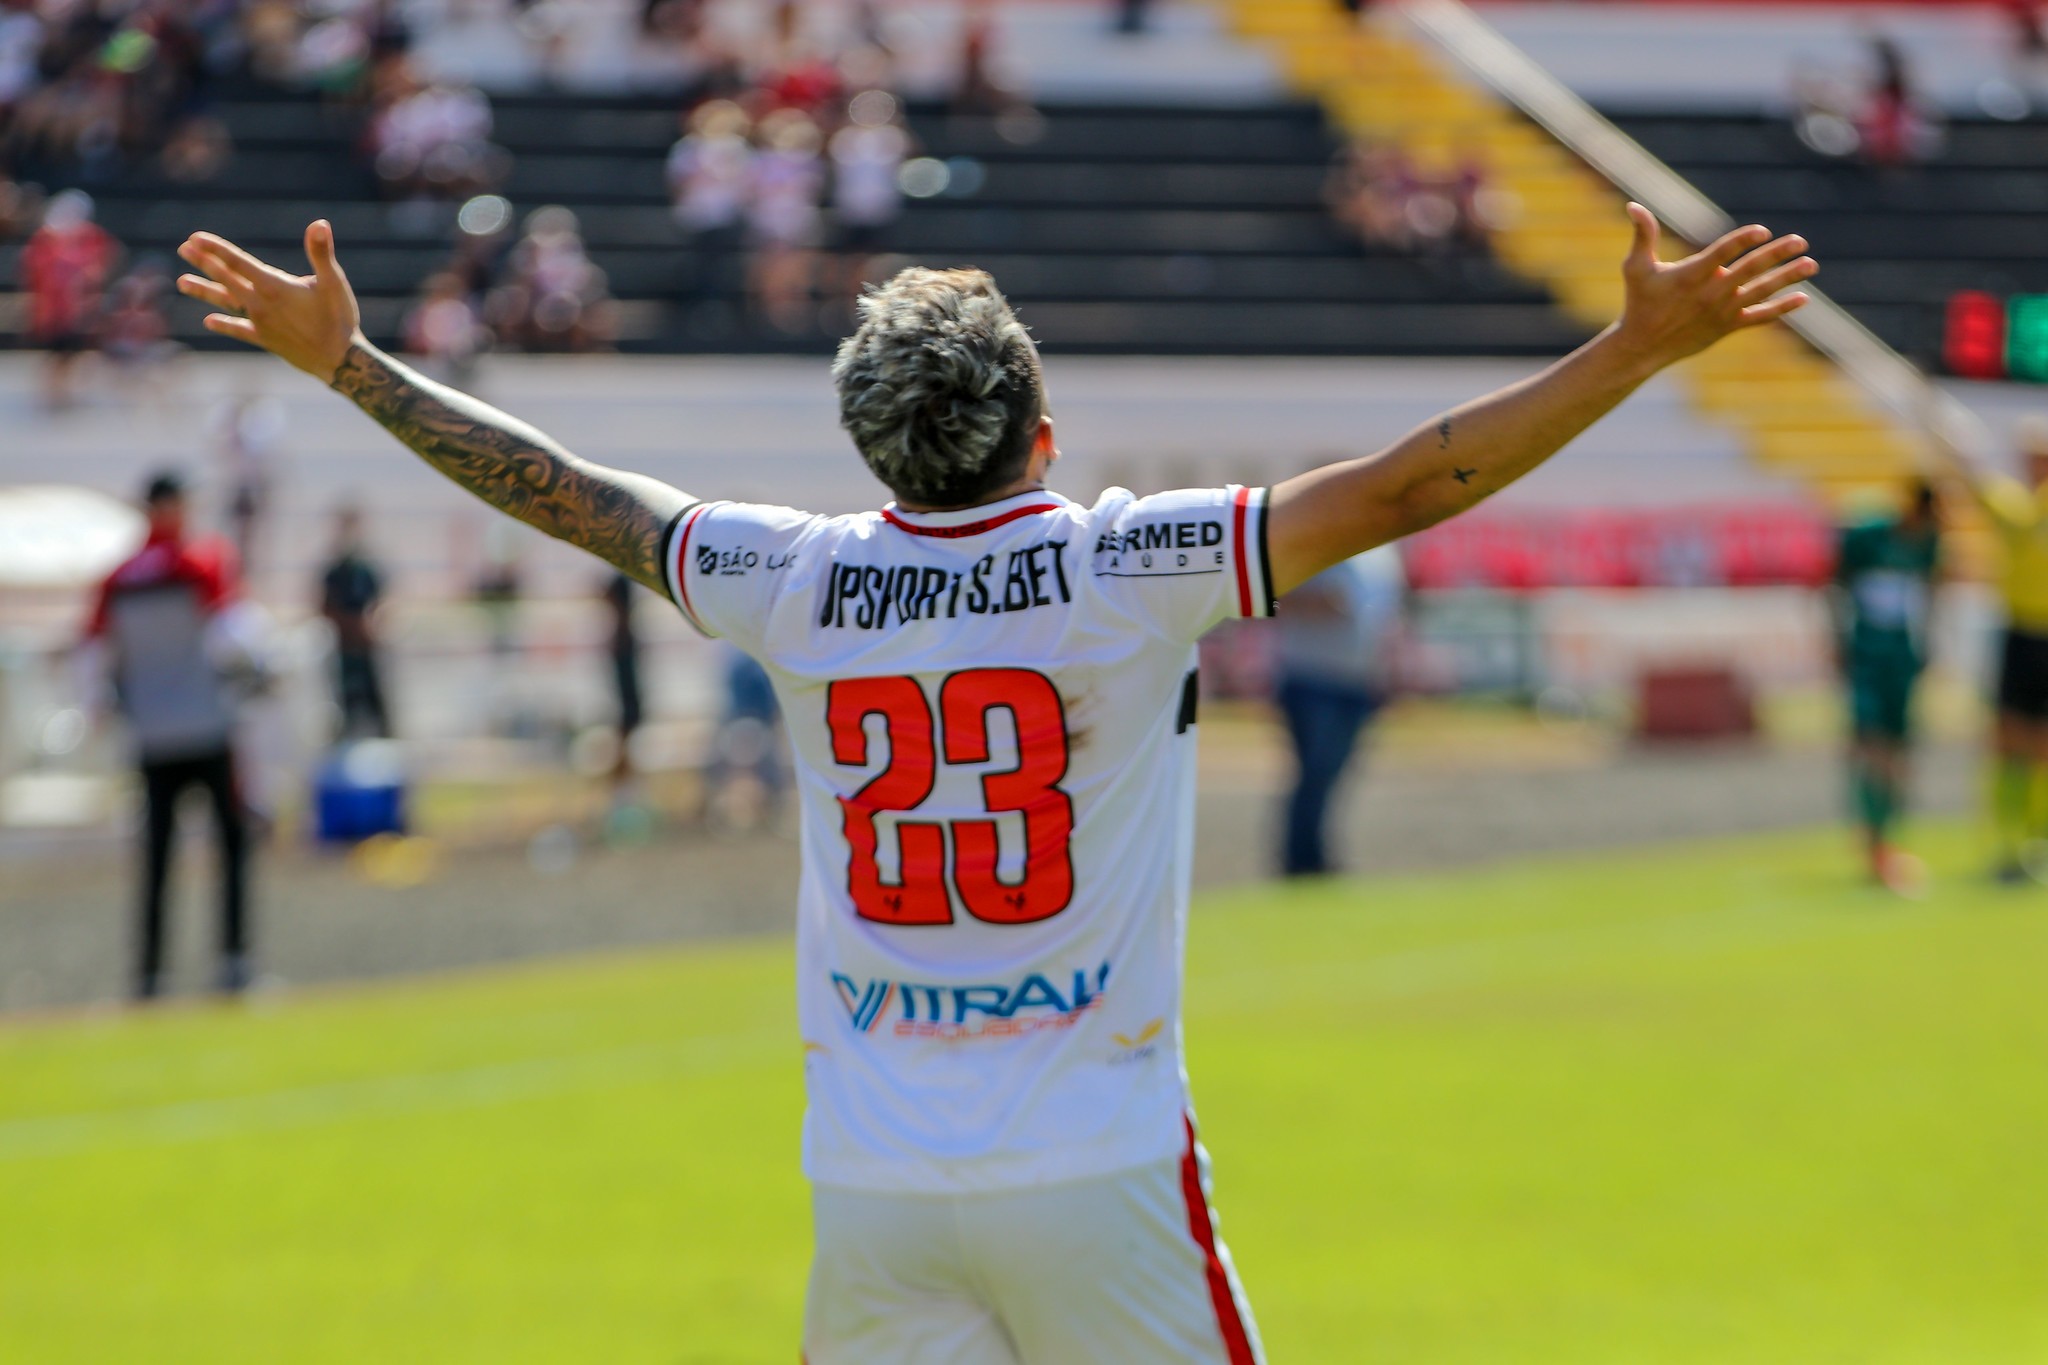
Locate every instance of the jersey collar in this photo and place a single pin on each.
(972, 521)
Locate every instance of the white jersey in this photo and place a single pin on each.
(991, 714)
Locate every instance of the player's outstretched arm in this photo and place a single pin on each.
(1437, 471)
(312, 321)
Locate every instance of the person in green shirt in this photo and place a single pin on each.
(1885, 570)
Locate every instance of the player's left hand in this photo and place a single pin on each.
(1678, 308)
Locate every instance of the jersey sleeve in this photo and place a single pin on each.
(1186, 560)
(726, 563)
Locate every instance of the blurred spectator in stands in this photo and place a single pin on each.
(783, 220)
(21, 46)
(1368, 190)
(1896, 129)
(351, 593)
(247, 435)
(795, 71)
(434, 141)
(1334, 672)
(21, 208)
(1132, 16)
(1478, 207)
(979, 92)
(154, 626)
(1377, 192)
(710, 173)
(339, 49)
(197, 150)
(867, 157)
(270, 31)
(547, 26)
(445, 329)
(678, 21)
(136, 336)
(65, 267)
(1824, 111)
(555, 298)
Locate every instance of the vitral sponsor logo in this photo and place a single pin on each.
(910, 1009)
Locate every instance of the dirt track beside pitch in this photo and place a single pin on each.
(64, 916)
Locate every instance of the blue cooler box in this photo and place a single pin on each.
(358, 792)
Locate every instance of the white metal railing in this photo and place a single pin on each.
(1895, 382)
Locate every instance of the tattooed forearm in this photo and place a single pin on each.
(618, 517)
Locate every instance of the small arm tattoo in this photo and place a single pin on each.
(1443, 434)
(1462, 475)
(619, 517)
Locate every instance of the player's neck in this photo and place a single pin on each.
(1027, 484)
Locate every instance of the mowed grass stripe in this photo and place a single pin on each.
(1705, 1104)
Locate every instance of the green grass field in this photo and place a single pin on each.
(1709, 1104)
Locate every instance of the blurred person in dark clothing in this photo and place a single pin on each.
(1336, 634)
(743, 781)
(1132, 16)
(1895, 127)
(153, 619)
(351, 590)
(1882, 599)
(623, 647)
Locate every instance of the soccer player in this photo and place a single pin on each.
(990, 693)
(2019, 775)
(1884, 578)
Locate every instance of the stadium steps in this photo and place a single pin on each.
(1148, 228)
(1566, 231)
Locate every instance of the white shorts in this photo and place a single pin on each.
(1122, 1270)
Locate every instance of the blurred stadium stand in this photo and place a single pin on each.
(1896, 242)
(1138, 228)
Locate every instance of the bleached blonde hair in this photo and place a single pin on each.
(939, 386)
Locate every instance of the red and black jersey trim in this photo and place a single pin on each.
(675, 561)
(972, 528)
(1265, 555)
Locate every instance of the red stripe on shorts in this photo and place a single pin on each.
(1237, 1342)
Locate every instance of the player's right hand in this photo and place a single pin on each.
(308, 320)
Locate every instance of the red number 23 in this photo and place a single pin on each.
(1032, 787)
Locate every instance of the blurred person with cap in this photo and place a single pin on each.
(156, 619)
(1882, 598)
(1334, 672)
(2019, 778)
(65, 267)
